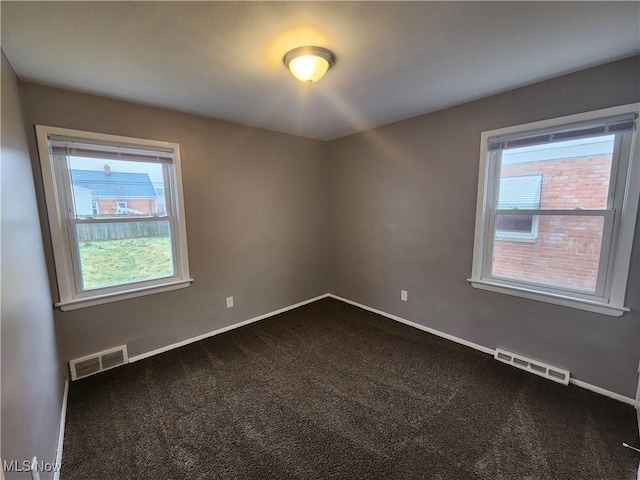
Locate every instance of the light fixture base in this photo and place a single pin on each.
(311, 71)
(315, 51)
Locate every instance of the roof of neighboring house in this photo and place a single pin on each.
(114, 185)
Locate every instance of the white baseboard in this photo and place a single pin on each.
(602, 391)
(63, 417)
(453, 338)
(417, 325)
(182, 343)
(482, 348)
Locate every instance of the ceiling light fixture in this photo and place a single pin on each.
(309, 64)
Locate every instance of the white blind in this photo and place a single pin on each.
(623, 123)
(520, 192)
(72, 147)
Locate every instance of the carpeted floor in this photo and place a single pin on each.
(332, 391)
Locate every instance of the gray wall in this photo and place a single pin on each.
(32, 380)
(274, 219)
(256, 222)
(402, 212)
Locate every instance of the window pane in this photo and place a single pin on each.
(514, 223)
(565, 254)
(116, 188)
(557, 175)
(124, 252)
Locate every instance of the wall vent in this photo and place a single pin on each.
(98, 362)
(533, 366)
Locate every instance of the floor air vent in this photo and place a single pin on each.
(98, 362)
(533, 366)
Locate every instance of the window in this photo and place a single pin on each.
(519, 192)
(557, 205)
(110, 241)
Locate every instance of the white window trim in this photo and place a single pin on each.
(70, 298)
(620, 254)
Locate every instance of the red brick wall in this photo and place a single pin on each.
(566, 250)
(143, 205)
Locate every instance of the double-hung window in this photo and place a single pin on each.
(557, 206)
(116, 215)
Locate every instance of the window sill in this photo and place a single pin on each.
(507, 238)
(564, 300)
(115, 297)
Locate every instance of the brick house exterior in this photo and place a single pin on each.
(116, 193)
(109, 206)
(565, 250)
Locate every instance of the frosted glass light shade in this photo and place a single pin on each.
(309, 64)
(308, 68)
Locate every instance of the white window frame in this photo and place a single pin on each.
(620, 220)
(62, 227)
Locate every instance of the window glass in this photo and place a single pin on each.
(120, 253)
(566, 254)
(521, 192)
(506, 224)
(574, 173)
(116, 187)
(564, 175)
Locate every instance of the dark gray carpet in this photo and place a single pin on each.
(332, 391)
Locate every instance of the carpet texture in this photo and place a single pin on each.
(331, 391)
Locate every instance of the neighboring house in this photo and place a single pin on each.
(113, 193)
(562, 250)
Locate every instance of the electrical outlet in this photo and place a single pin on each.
(403, 295)
(229, 302)
(34, 469)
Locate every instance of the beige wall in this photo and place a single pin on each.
(256, 222)
(402, 213)
(32, 376)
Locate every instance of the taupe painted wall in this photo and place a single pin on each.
(32, 380)
(256, 222)
(402, 212)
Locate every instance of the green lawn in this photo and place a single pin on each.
(112, 262)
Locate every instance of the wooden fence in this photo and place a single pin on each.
(117, 231)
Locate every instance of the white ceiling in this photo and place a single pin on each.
(395, 60)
